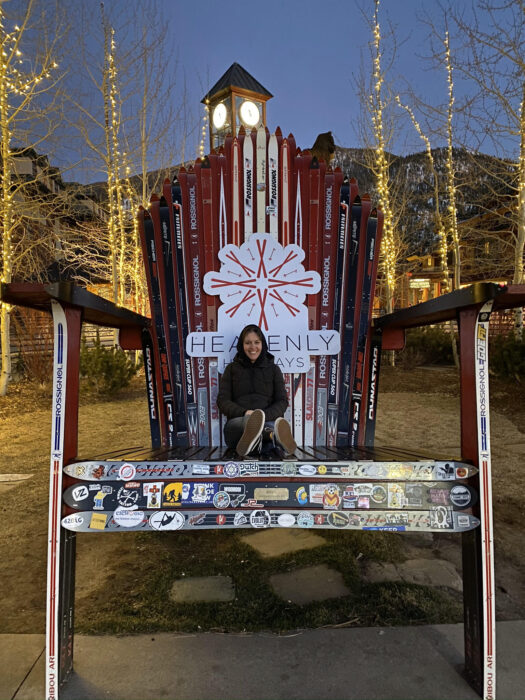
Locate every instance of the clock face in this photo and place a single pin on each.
(219, 115)
(249, 113)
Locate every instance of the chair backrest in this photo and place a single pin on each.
(263, 233)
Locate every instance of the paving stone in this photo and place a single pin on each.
(207, 589)
(429, 572)
(274, 542)
(306, 585)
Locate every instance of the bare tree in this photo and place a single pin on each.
(27, 119)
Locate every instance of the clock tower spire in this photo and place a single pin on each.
(237, 99)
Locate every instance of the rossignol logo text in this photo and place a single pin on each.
(328, 209)
(193, 209)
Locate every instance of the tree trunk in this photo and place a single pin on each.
(5, 343)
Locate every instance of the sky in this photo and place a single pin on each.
(306, 53)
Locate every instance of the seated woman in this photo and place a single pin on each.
(253, 397)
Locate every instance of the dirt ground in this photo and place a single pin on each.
(417, 408)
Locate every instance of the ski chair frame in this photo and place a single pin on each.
(471, 307)
(310, 213)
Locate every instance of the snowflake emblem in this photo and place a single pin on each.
(263, 283)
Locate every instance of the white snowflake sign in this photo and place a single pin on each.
(264, 283)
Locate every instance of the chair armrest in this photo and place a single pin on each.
(445, 308)
(95, 309)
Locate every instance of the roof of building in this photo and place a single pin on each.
(237, 77)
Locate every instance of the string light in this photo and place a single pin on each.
(204, 129)
(452, 227)
(442, 237)
(388, 246)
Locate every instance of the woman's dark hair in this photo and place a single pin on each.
(251, 328)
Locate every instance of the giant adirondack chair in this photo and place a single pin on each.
(260, 232)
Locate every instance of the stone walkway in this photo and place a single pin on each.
(312, 583)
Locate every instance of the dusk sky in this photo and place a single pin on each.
(306, 53)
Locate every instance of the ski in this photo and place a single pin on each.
(356, 262)
(360, 366)
(273, 187)
(160, 216)
(438, 519)
(278, 494)
(173, 196)
(193, 273)
(137, 470)
(249, 183)
(151, 387)
(261, 170)
(151, 263)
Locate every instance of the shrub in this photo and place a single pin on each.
(105, 370)
(431, 345)
(507, 356)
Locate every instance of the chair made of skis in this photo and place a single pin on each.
(263, 233)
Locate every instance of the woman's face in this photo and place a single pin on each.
(252, 346)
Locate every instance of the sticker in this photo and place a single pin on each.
(98, 473)
(460, 496)
(172, 494)
(236, 492)
(321, 469)
(349, 497)
(378, 494)
(165, 520)
(301, 496)
(414, 495)
(73, 521)
(319, 519)
(305, 520)
(288, 469)
(461, 472)
(98, 521)
(316, 492)
(396, 496)
(240, 519)
(195, 519)
(439, 496)
(363, 502)
(200, 493)
(286, 520)
(128, 518)
(307, 469)
(331, 497)
(221, 500)
(202, 469)
(271, 494)
(127, 498)
(80, 493)
(260, 518)
(127, 472)
(231, 470)
(441, 517)
(338, 519)
(99, 500)
(463, 521)
(152, 492)
(220, 520)
(444, 471)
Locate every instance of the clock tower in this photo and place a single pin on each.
(236, 100)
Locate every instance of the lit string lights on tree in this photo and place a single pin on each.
(204, 129)
(451, 184)
(388, 247)
(442, 236)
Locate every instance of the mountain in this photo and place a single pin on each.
(481, 183)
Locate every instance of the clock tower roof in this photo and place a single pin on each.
(237, 77)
